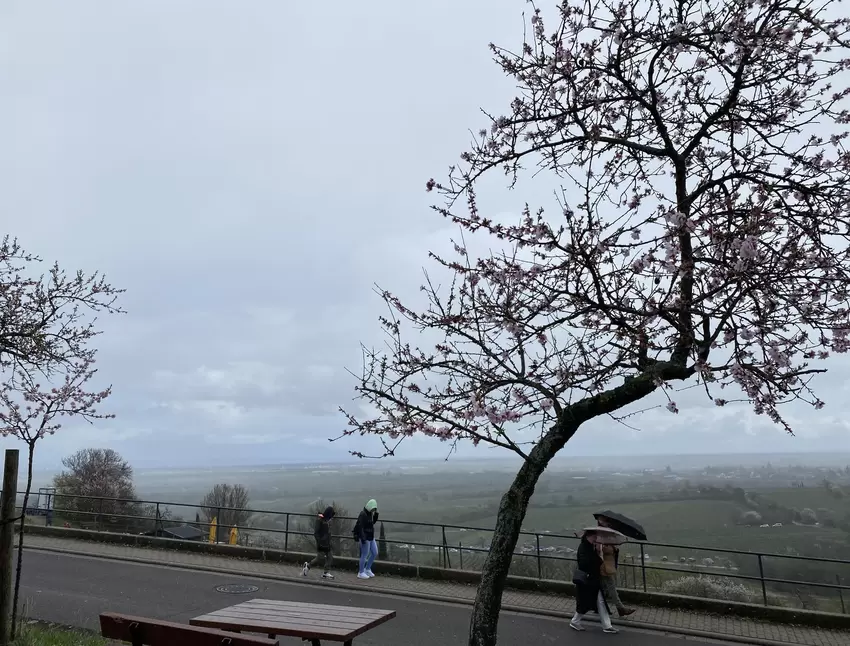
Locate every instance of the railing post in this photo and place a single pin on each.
(460, 553)
(643, 566)
(624, 579)
(157, 523)
(840, 594)
(443, 549)
(408, 555)
(539, 566)
(761, 577)
(286, 535)
(218, 526)
(448, 560)
(98, 517)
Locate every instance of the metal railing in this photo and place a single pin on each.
(550, 554)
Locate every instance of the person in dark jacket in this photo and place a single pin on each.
(588, 586)
(324, 553)
(365, 531)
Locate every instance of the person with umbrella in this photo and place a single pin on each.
(587, 577)
(610, 555)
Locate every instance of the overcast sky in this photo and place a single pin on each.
(247, 171)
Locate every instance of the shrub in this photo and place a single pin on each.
(709, 587)
(751, 518)
(808, 517)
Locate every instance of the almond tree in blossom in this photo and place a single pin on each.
(30, 412)
(699, 233)
(46, 325)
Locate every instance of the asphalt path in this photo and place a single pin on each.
(74, 590)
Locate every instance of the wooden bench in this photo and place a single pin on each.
(312, 622)
(140, 631)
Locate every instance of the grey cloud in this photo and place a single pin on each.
(248, 173)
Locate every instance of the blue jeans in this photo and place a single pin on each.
(368, 552)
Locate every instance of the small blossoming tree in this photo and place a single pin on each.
(700, 233)
(31, 412)
(46, 325)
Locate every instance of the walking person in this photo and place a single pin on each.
(324, 551)
(364, 530)
(610, 555)
(587, 580)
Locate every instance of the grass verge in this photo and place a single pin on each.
(38, 635)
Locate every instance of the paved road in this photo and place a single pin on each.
(73, 590)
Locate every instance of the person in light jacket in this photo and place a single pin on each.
(610, 555)
(324, 553)
(365, 532)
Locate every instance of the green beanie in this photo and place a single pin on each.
(371, 505)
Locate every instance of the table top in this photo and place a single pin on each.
(293, 619)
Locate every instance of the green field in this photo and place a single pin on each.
(836, 505)
(563, 502)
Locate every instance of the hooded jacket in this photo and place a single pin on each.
(322, 532)
(366, 521)
(588, 561)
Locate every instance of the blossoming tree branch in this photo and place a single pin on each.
(47, 320)
(698, 233)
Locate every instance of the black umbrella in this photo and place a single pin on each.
(622, 524)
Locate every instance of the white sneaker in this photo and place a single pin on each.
(327, 575)
(610, 631)
(306, 569)
(370, 574)
(576, 626)
(362, 575)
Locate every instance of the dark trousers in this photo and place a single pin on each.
(323, 557)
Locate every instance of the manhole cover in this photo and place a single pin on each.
(235, 588)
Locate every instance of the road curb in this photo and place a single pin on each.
(523, 610)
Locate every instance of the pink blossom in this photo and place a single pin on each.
(748, 249)
(675, 219)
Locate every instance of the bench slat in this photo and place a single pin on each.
(303, 609)
(272, 626)
(296, 617)
(165, 633)
(292, 606)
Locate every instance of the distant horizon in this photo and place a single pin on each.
(727, 457)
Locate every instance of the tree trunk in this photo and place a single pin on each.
(512, 509)
(31, 449)
(7, 540)
(488, 599)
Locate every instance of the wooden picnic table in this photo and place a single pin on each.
(312, 622)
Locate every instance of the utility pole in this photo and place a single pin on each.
(7, 540)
